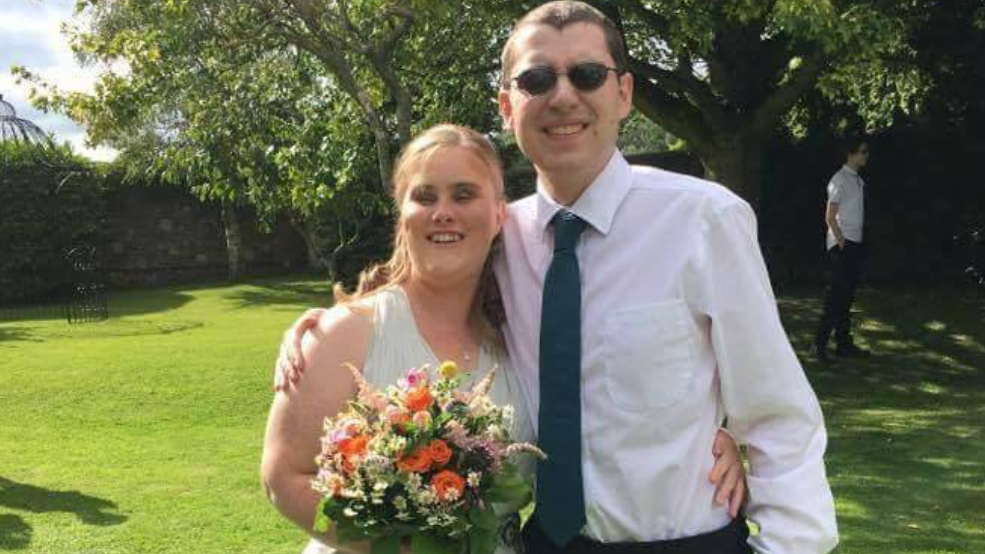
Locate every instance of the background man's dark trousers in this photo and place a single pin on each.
(846, 267)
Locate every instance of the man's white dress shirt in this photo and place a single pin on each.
(680, 329)
(847, 189)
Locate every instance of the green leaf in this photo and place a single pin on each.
(482, 541)
(509, 492)
(385, 545)
(484, 519)
(322, 521)
(427, 544)
(346, 531)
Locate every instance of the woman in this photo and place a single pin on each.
(423, 306)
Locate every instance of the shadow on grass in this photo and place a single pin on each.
(121, 304)
(143, 302)
(289, 294)
(15, 533)
(906, 456)
(10, 335)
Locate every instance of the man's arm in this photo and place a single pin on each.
(769, 403)
(290, 359)
(836, 189)
(830, 213)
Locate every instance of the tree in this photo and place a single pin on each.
(262, 104)
(722, 75)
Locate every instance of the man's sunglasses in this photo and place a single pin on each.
(585, 76)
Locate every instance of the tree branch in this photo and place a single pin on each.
(673, 114)
(406, 16)
(686, 89)
(786, 94)
(658, 23)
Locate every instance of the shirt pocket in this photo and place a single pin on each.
(649, 355)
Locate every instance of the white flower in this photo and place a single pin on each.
(474, 478)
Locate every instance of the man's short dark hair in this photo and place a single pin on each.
(853, 144)
(559, 15)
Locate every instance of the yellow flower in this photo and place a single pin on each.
(448, 370)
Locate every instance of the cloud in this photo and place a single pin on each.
(30, 32)
(22, 48)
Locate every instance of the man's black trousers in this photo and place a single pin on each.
(845, 270)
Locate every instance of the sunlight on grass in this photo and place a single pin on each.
(936, 326)
(874, 325)
(905, 458)
(131, 429)
(143, 433)
(968, 343)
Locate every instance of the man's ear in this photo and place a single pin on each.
(505, 109)
(625, 94)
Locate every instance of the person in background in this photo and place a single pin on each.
(844, 215)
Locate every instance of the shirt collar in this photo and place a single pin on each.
(598, 204)
(849, 169)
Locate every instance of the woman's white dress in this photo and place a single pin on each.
(397, 345)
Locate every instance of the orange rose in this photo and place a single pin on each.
(446, 481)
(439, 451)
(417, 461)
(347, 466)
(399, 420)
(418, 399)
(355, 446)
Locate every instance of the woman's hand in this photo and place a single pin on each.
(290, 361)
(728, 473)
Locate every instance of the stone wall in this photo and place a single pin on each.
(162, 235)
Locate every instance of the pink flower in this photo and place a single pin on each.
(456, 433)
(373, 400)
(414, 378)
(345, 429)
(338, 435)
(422, 419)
(396, 416)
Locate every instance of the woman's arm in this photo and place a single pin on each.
(295, 424)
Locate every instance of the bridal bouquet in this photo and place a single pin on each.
(421, 461)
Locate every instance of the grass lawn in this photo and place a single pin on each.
(142, 434)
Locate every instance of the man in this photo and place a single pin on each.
(639, 317)
(844, 216)
(678, 324)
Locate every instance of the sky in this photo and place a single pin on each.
(30, 36)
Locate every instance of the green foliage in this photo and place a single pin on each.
(50, 202)
(284, 110)
(642, 135)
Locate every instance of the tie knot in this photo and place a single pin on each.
(567, 229)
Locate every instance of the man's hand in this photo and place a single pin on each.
(290, 361)
(728, 473)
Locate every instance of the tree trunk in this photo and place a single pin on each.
(332, 266)
(311, 244)
(736, 163)
(234, 241)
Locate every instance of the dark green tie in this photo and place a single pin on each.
(560, 506)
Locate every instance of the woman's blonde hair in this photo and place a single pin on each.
(396, 270)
